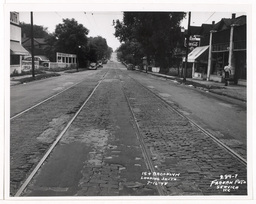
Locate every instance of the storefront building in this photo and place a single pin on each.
(64, 60)
(224, 44)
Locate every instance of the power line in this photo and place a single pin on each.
(210, 16)
(59, 15)
(95, 21)
(92, 26)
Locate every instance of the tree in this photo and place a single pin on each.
(108, 53)
(157, 33)
(130, 52)
(98, 49)
(70, 37)
(39, 31)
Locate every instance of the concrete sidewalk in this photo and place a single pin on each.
(233, 91)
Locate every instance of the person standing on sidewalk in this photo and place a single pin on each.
(227, 72)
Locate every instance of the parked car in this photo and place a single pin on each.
(43, 60)
(93, 66)
(130, 67)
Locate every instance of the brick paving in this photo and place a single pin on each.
(111, 161)
(180, 147)
(32, 133)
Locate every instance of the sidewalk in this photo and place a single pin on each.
(14, 80)
(233, 91)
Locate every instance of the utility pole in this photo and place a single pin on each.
(32, 45)
(187, 44)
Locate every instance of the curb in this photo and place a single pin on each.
(196, 85)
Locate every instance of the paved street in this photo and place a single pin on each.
(133, 136)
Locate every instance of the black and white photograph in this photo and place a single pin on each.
(107, 102)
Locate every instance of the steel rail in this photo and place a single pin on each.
(47, 99)
(144, 149)
(216, 140)
(32, 174)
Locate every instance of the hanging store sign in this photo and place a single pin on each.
(193, 42)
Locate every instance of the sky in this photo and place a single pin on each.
(98, 23)
(101, 23)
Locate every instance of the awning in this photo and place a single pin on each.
(17, 49)
(192, 56)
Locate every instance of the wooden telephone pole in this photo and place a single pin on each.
(187, 47)
(32, 45)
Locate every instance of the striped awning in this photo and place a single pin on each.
(196, 53)
(17, 49)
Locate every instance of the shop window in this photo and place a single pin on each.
(15, 59)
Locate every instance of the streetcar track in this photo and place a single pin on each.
(47, 99)
(145, 152)
(205, 132)
(35, 170)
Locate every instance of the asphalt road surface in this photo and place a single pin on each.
(125, 140)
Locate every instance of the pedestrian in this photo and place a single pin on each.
(227, 72)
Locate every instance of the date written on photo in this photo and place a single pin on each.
(228, 182)
(159, 178)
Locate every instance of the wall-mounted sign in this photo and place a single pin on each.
(27, 66)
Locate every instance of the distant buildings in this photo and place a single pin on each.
(39, 45)
(16, 49)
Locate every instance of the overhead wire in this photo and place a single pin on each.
(210, 16)
(59, 15)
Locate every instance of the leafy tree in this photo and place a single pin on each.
(157, 33)
(108, 53)
(130, 52)
(39, 31)
(98, 49)
(69, 37)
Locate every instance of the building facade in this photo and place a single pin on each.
(39, 45)
(222, 44)
(228, 49)
(17, 51)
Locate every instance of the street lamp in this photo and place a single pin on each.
(79, 47)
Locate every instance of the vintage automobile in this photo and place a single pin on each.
(43, 60)
(93, 66)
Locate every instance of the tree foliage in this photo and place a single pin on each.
(156, 32)
(98, 49)
(69, 37)
(38, 31)
(130, 52)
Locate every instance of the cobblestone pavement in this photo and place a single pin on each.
(178, 146)
(101, 154)
(32, 133)
(112, 161)
(187, 101)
